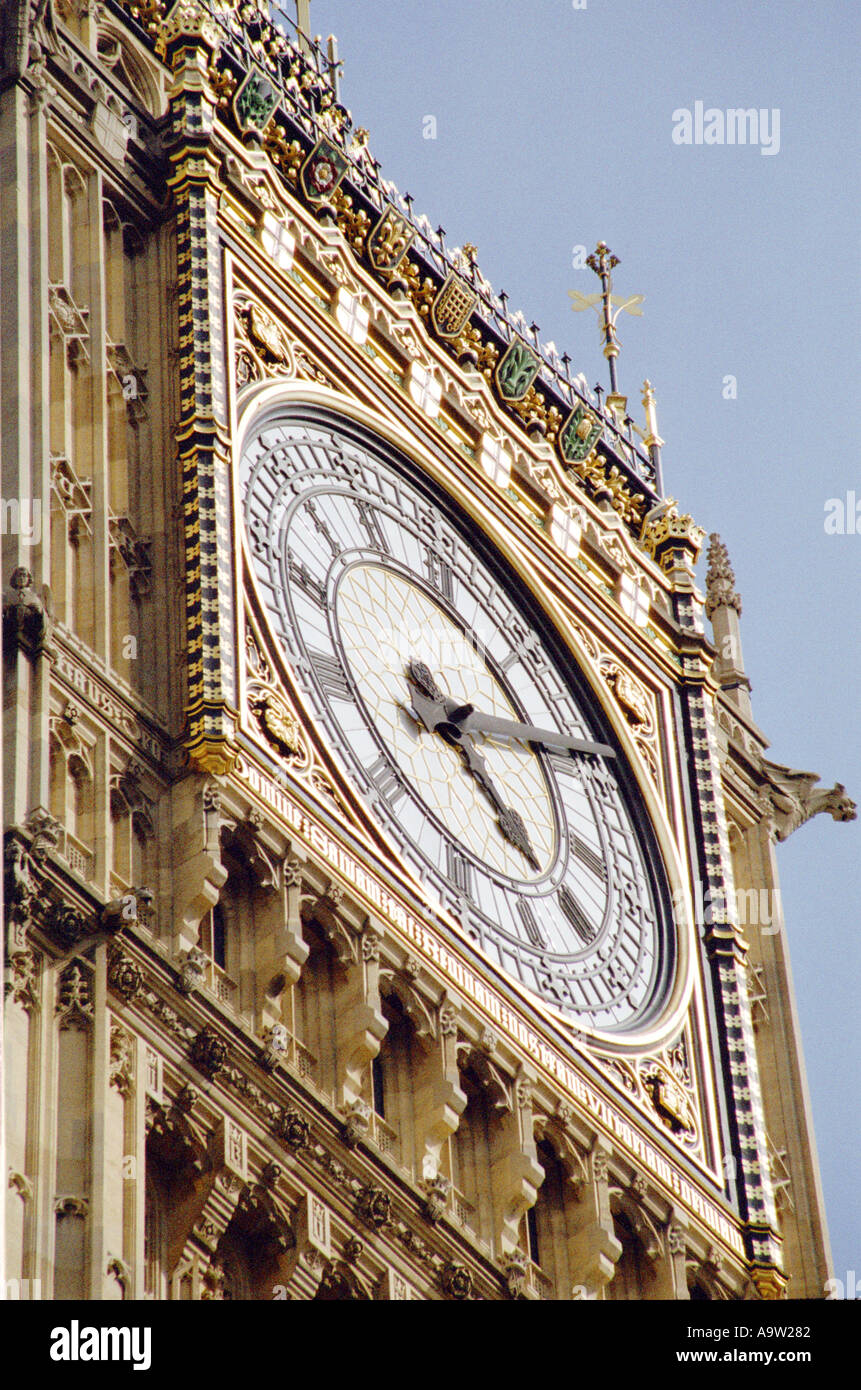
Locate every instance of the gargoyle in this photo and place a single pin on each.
(795, 800)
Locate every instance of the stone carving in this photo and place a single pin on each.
(370, 946)
(276, 1043)
(24, 969)
(357, 1123)
(26, 614)
(676, 1239)
(124, 976)
(794, 799)
(669, 1098)
(19, 885)
(720, 580)
(122, 1060)
(209, 1051)
(437, 1191)
(75, 997)
(277, 722)
(374, 1206)
(193, 973)
(516, 1274)
(45, 830)
(456, 1281)
(292, 1128)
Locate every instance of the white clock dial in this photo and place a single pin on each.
(383, 619)
(539, 852)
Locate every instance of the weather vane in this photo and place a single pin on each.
(602, 261)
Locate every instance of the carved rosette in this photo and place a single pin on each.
(124, 976)
(209, 1052)
(456, 1281)
(292, 1128)
(374, 1206)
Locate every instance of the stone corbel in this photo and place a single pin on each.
(19, 891)
(439, 1101)
(199, 874)
(677, 1250)
(309, 1258)
(400, 985)
(323, 913)
(211, 1204)
(594, 1248)
(360, 1023)
(260, 1224)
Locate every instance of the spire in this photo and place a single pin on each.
(720, 579)
(723, 606)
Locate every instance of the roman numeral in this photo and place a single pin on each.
(511, 660)
(459, 870)
(441, 574)
(329, 673)
(530, 926)
(562, 763)
(370, 519)
(312, 587)
(575, 915)
(587, 856)
(387, 781)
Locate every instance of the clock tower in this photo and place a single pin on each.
(386, 820)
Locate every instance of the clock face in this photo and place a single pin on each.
(406, 634)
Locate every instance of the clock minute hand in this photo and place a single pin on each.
(472, 721)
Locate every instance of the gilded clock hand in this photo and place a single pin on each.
(471, 721)
(439, 714)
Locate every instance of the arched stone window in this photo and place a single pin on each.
(550, 1223)
(634, 1275)
(71, 794)
(155, 1242)
(314, 1021)
(475, 1142)
(394, 1073)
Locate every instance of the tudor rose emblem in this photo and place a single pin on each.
(322, 171)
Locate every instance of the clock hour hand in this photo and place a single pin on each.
(510, 822)
(439, 714)
(472, 721)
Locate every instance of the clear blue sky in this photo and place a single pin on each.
(554, 129)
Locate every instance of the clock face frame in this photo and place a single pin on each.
(363, 566)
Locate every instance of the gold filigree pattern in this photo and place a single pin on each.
(634, 700)
(663, 1086)
(354, 225)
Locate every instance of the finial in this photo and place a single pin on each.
(720, 579)
(651, 438)
(603, 262)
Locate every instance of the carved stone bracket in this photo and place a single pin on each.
(134, 552)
